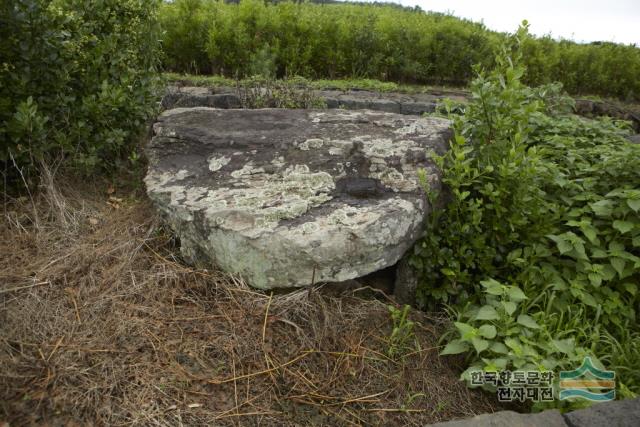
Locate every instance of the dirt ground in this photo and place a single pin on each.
(101, 324)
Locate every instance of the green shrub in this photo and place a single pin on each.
(186, 28)
(537, 252)
(77, 79)
(374, 41)
(322, 41)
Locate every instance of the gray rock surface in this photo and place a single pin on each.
(591, 108)
(195, 96)
(509, 419)
(620, 413)
(226, 97)
(393, 102)
(634, 139)
(287, 198)
(406, 282)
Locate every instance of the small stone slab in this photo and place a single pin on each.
(635, 139)
(226, 97)
(195, 96)
(620, 413)
(551, 418)
(287, 198)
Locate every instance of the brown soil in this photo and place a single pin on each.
(101, 324)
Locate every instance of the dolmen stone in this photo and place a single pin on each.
(289, 198)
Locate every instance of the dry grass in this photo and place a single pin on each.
(100, 324)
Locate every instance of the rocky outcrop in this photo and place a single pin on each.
(400, 103)
(393, 102)
(287, 198)
(195, 96)
(592, 108)
(406, 281)
(620, 413)
(551, 418)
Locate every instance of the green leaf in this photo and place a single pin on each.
(616, 246)
(479, 344)
(487, 331)
(623, 226)
(598, 253)
(634, 204)
(564, 246)
(595, 279)
(602, 207)
(515, 294)
(588, 299)
(489, 366)
(447, 272)
(589, 232)
(608, 272)
(455, 347)
(514, 345)
(632, 288)
(487, 312)
(509, 307)
(501, 363)
(578, 248)
(565, 346)
(618, 265)
(466, 331)
(492, 287)
(495, 365)
(498, 347)
(528, 321)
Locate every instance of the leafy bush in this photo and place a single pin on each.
(321, 41)
(77, 79)
(186, 26)
(537, 251)
(374, 41)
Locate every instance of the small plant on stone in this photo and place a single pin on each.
(449, 108)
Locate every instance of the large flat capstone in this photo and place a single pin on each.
(287, 198)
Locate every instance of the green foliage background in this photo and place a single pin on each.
(78, 78)
(537, 252)
(382, 42)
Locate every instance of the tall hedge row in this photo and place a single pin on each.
(77, 79)
(386, 43)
